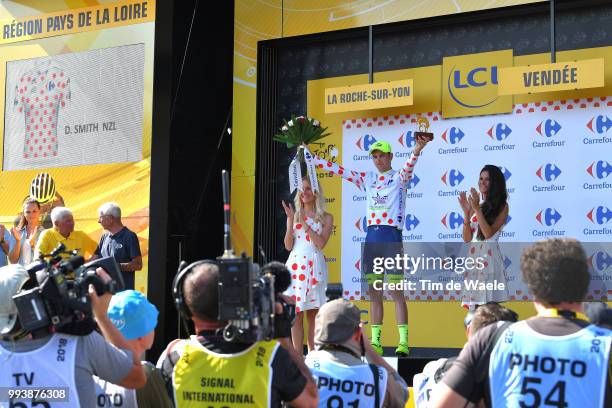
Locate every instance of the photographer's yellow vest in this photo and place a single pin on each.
(202, 378)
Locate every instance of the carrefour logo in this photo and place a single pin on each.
(499, 132)
(505, 172)
(407, 139)
(600, 169)
(548, 172)
(599, 124)
(473, 78)
(413, 182)
(507, 262)
(508, 219)
(600, 215)
(411, 222)
(452, 177)
(362, 224)
(452, 220)
(364, 143)
(453, 135)
(548, 128)
(600, 261)
(548, 217)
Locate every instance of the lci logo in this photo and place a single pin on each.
(548, 217)
(453, 135)
(548, 128)
(362, 224)
(474, 78)
(600, 215)
(600, 169)
(548, 172)
(452, 177)
(600, 261)
(505, 172)
(500, 131)
(407, 139)
(364, 143)
(601, 123)
(413, 182)
(411, 222)
(452, 220)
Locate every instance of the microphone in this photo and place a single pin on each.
(282, 277)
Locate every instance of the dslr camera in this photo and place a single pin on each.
(60, 296)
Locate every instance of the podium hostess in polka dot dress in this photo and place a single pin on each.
(308, 229)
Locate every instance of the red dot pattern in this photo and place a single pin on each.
(34, 89)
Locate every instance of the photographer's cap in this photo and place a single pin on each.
(12, 279)
(381, 145)
(132, 314)
(336, 322)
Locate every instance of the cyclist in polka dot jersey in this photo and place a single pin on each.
(386, 196)
(39, 95)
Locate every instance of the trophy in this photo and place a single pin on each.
(423, 124)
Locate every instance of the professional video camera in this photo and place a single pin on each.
(61, 295)
(248, 293)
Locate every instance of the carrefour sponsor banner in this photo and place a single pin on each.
(551, 77)
(369, 96)
(554, 156)
(470, 84)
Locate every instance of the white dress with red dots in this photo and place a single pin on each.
(494, 269)
(40, 95)
(308, 269)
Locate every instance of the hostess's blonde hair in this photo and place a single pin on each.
(319, 203)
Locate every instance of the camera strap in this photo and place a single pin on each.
(567, 314)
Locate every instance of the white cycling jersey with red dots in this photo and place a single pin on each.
(386, 192)
(39, 96)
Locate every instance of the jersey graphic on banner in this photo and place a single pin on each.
(40, 95)
(74, 109)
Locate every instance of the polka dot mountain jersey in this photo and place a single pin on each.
(386, 192)
(40, 94)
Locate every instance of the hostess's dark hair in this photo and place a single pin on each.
(496, 197)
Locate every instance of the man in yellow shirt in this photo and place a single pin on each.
(63, 231)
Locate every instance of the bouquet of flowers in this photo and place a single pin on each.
(300, 131)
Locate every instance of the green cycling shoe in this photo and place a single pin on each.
(402, 350)
(377, 348)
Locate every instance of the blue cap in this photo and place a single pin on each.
(132, 314)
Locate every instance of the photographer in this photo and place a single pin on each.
(206, 368)
(59, 359)
(557, 358)
(343, 378)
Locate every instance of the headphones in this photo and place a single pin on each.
(177, 285)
